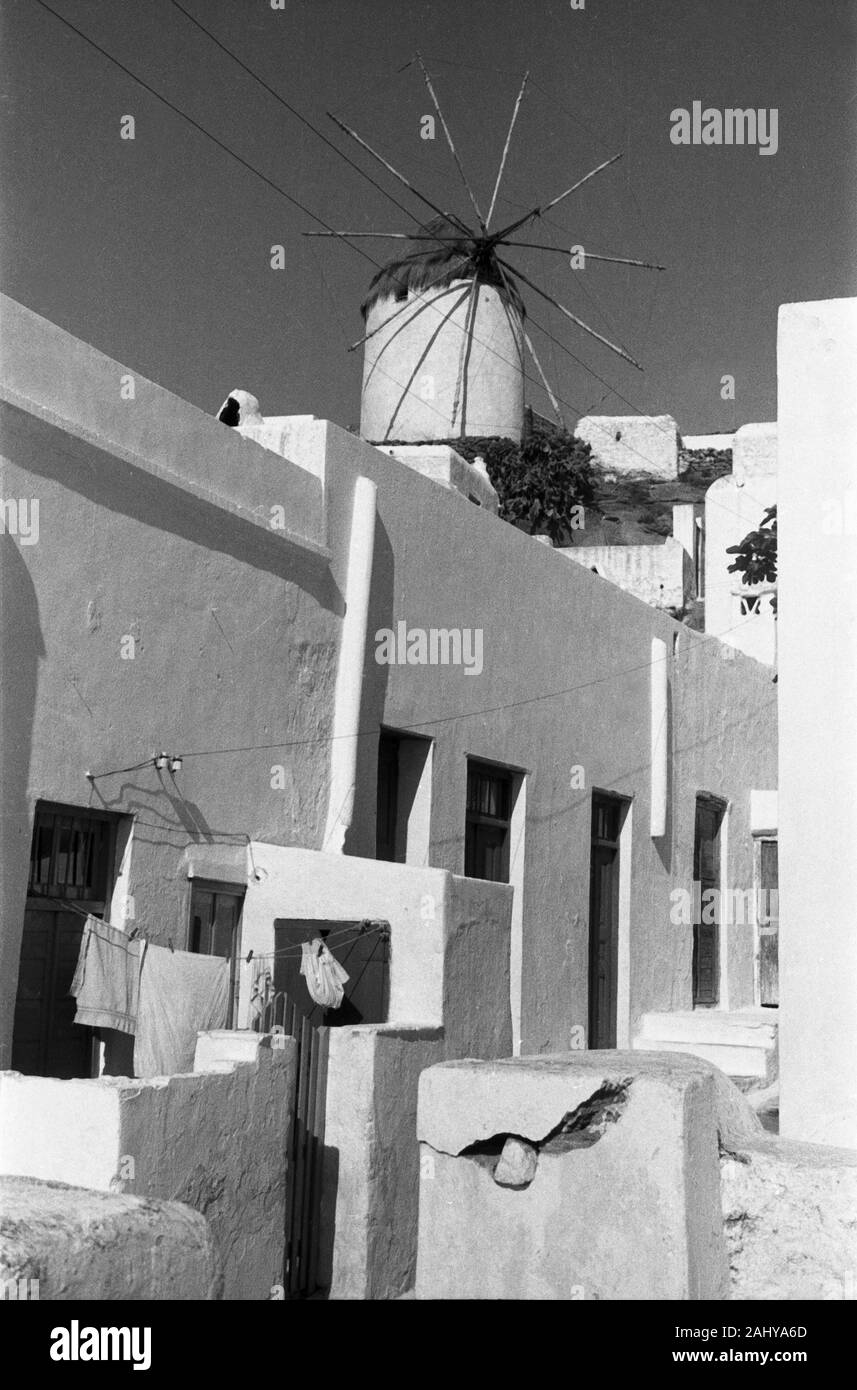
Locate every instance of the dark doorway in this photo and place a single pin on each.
(388, 796)
(363, 949)
(70, 862)
(706, 912)
(607, 815)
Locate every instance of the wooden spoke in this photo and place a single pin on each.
(506, 150)
(620, 352)
(545, 207)
(450, 217)
(562, 251)
(449, 141)
(532, 351)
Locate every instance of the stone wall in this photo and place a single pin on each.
(214, 1140)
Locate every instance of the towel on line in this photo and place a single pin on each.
(106, 978)
(181, 994)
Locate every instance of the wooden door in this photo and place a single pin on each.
(46, 1039)
(70, 858)
(706, 877)
(604, 921)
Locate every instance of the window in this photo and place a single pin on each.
(215, 928)
(486, 843)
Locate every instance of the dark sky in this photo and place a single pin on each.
(157, 250)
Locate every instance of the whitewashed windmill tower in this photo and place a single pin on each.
(452, 362)
(445, 323)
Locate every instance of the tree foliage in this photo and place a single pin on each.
(756, 555)
(539, 481)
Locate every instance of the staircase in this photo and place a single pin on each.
(742, 1043)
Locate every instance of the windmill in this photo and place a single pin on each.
(446, 321)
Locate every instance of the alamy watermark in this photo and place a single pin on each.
(20, 517)
(725, 907)
(434, 646)
(732, 126)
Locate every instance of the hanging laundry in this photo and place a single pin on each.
(107, 978)
(325, 977)
(181, 994)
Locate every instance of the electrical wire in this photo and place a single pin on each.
(692, 647)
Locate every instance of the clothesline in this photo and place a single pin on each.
(332, 939)
(137, 935)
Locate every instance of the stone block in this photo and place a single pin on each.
(624, 1200)
(789, 1214)
(64, 1242)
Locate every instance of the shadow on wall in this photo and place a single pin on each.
(21, 646)
(113, 483)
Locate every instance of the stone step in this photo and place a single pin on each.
(743, 1028)
(734, 1059)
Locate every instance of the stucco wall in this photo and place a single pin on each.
(658, 574)
(237, 637)
(563, 698)
(371, 1158)
(817, 366)
(214, 1140)
(153, 525)
(449, 936)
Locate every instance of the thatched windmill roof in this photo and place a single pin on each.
(439, 264)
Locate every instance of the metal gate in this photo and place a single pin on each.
(362, 947)
(305, 1143)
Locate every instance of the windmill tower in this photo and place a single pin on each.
(444, 348)
(445, 323)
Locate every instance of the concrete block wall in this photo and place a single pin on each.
(214, 1140)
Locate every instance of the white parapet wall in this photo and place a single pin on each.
(817, 371)
(658, 574)
(213, 1139)
(632, 443)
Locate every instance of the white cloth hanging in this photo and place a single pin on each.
(325, 977)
